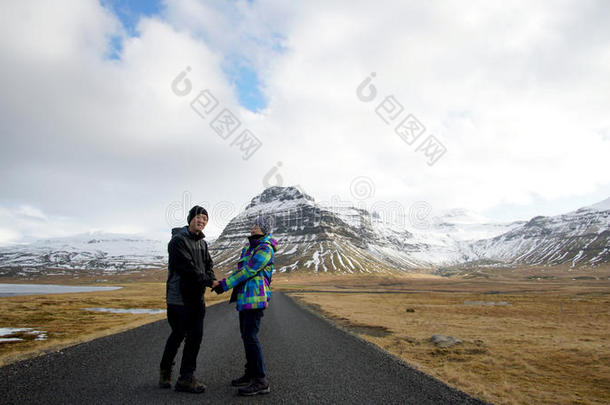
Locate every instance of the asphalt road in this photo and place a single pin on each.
(308, 362)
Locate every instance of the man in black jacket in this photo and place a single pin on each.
(189, 272)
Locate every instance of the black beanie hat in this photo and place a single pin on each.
(196, 210)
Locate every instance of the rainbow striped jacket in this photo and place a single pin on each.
(252, 277)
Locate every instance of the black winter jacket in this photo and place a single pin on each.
(190, 267)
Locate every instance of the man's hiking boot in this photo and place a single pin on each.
(242, 381)
(258, 386)
(165, 378)
(190, 385)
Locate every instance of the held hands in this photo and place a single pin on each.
(217, 287)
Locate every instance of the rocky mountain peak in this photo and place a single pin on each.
(278, 194)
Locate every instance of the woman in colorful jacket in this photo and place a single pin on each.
(251, 290)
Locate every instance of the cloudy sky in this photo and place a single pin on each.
(119, 115)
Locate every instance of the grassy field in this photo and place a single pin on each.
(529, 335)
(66, 323)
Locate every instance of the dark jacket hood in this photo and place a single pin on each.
(184, 230)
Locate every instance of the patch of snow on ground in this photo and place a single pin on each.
(40, 334)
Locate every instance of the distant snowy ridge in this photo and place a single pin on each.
(109, 253)
(578, 238)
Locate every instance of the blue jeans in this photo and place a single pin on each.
(186, 322)
(249, 325)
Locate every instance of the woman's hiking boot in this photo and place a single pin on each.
(258, 386)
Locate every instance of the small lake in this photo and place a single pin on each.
(9, 290)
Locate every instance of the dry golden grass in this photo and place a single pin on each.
(549, 345)
(66, 323)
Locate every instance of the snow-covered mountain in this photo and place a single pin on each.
(107, 253)
(581, 237)
(317, 237)
(311, 236)
(600, 206)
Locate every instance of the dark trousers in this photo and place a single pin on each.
(186, 322)
(249, 325)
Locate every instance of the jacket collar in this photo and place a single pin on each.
(255, 239)
(258, 239)
(191, 235)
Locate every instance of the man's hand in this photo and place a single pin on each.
(215, 284)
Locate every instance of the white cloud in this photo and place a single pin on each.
(31, 212)
(22, 223)
(497, 85)
(518, 93)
